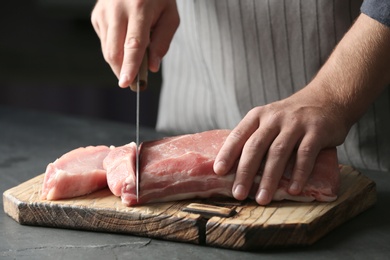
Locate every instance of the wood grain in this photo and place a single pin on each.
(292, 223)
(252, 227)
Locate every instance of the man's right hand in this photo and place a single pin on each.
(127, 27)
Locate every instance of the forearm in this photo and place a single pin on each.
(357, 71)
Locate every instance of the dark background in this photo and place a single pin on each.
(50, 59)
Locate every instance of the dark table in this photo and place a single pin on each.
(29, 140)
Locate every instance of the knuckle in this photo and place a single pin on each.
(175, 21)
(236, 134)
(113, 56)
(274, 117)
(254, 143)
(132, 43)
(135, 43)
(96, 12)
(318, 121)
(137, 5)
(278, 149)
(306, 151)
(254, 112)
(94, 20)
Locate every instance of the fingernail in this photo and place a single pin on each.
(294, 187)
(239, 192)
(156, 63)
(220, 167)
(123, 80)
(262, 196)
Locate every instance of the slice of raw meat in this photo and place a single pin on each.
(120, 167)
(76, 173)
(181, 167)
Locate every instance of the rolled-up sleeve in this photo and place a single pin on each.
(378, 10)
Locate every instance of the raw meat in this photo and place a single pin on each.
(181, 167)
(76, 173)
(323, 184)
(120, 167)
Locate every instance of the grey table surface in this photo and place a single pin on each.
(29, 140)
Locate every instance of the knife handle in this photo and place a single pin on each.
(142, 75)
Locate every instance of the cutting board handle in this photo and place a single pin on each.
(208, 211)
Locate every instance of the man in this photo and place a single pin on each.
(261, 67)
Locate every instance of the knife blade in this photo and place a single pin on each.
(137, 140)
(140, 83)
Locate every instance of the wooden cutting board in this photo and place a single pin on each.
(245, 226)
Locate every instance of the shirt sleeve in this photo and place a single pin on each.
(378, 10)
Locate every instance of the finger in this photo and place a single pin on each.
(95, 25)
(306, 156)
(103, 37)
(99, 23)
(251, 158)
(278, 155)
(231, 149)
(95, 19)
(137, 39)
(161, 37)
(100, 26)
(113, 51)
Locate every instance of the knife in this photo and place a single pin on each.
(139, 84)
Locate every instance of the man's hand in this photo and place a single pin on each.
(302, 123)
(318, 116)
(126, 28)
